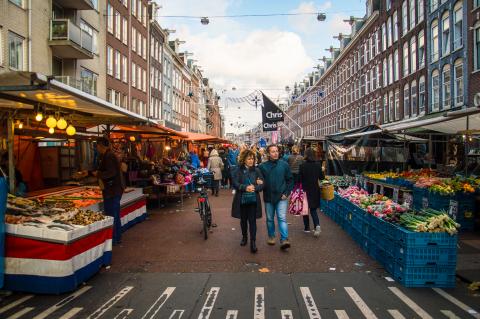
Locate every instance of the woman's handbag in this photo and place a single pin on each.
(249, 197)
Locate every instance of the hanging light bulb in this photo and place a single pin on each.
(39, 116)
(62, 124)
(20, 125)
(51, 130)
(71, 130)
(51, 122)
(132, 138)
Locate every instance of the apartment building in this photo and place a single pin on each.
(473, 51)
(60, 38)
(378, 75)
(157, 40)
(194, 95)
(127, 54)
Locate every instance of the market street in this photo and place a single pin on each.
(164, 269)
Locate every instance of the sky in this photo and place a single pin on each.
(255, 53)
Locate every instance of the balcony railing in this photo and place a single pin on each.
(86, 85)
(64, 29)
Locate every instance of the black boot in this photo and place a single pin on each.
(253, 247)
(244, 241)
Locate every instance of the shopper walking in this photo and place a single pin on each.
(232, 162)
(278, 186)
(246, 205)
(294, 162)
(112, 184)
(215, 165)
(311, 175)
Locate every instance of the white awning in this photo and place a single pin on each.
(456, 125)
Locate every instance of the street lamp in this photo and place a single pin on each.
(204, 21)
(321, 17)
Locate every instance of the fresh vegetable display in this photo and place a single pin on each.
(447, 186)
(340, 181)
(429, 220)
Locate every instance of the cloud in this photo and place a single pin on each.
(308, 23)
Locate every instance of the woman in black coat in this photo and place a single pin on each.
(247, 179)
(310, 176)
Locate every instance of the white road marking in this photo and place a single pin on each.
(15, 303)
(259, 303)
(286, 314)
(410, 303)
(312, 309)
(395, 314)
(449, 314)
(72, 312)
(176, 314)
(232, 314)
(159, 302)
(109, 304)
(209, 303)
(457, 302)
(21, 313)
(62, 302)
(124, 313)
(341, 314)
(367, 312)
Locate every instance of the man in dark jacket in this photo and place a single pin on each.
(278, 186)
(112, 184)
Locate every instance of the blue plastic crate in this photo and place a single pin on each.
(426, 256)
(413, 239)
(421, 276)
(357, 236)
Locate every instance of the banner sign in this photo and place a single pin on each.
(271, 114)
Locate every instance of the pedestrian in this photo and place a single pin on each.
(294, 162)
(263, 155)
(278, 186)
(232, 162)
(223, 156)
(246, 205)
(311, 175)
(215, 165)
(194, 159)
(112, 184)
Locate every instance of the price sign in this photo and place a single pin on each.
(408, 199)
(381, 190)
(395, 194)
(424, 202)
(453, 209)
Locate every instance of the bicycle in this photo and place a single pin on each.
(204, 207)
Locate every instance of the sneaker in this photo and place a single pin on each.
(233, 192)
(271, 241)
(284, 244)
(317, 231)
(307, 231)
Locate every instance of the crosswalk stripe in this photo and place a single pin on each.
(410, 303)
(176, 314)
(15, 303)
(232, 314)
(312, 309)
(457, 302)
(259, 303)
(124, 313)
(159, 302)
(209, 303)
(286, 314)
(367, 312)
(109, 304)
(72, 312)
(395, 314)
(21, 313)
(449, 314)
(341, 314)
(62, 303)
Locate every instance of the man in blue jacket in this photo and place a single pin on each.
(278, 186)
(232, 159)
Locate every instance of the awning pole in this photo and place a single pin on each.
(404, 150)
(11, 164)
(466, 146)
(430, 150)
(379, 152)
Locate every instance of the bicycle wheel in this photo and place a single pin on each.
(205, 221)
(208, 213)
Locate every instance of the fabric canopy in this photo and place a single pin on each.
(199, 137)
(157, 130)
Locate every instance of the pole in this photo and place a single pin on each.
(11, 164)
(379, 153)
(466, 146)
(294, 122)
(404, 151)
(430, 150)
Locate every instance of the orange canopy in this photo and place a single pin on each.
(149, 130)
(199, 137)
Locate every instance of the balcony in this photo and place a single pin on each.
(77, 4)
(86, 85)
(68, 41)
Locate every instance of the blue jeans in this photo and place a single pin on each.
(281, 209)
(111, 206)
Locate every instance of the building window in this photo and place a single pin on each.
(144, 80)
(144, 47)
(457, 25)
(385, 73)
(134, 39)
(391, 107)
(413, 54)
(476, 47)
(88, 81)
(458, 75)
(1, 46)
(446, 86)
(390, 69)
(476, 3)
(384, 37)
(109, 18)
(397, 105)
(109, 60)
(412, 13)
(421, 95)
(134, 7)
(404, 17)
(434, 45)
(445, 34)
(139, 43)
(125, 31)
(389, 31)
(15, 51)
(118, 67)
(406, 101)
(396, 65)
(435, 91)
(134, 75)
(413, 98)
(395, 26)
(388, 4)
(421, 50)
(124, 69)
(433, 5)
(93, 33)
(405, 59)
(118, 25)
